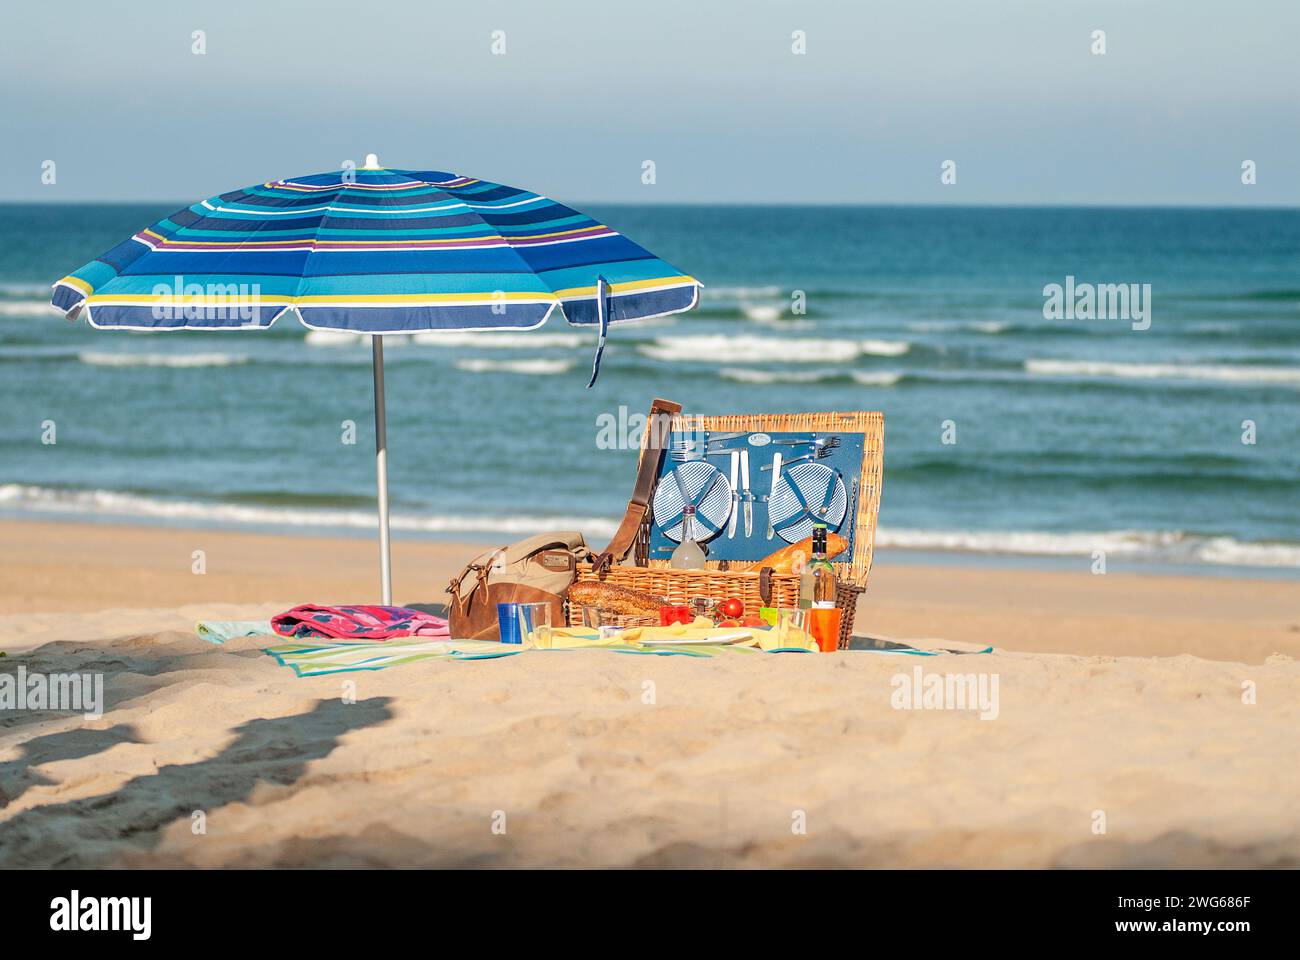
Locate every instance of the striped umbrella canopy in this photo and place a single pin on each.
(375, 251)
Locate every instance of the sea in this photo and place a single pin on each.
(1021, 426)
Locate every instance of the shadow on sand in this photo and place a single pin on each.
(95, 831)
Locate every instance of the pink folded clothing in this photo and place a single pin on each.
(357, 622)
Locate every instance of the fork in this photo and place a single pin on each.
(684, 456)
(816, 442)
(819, 453)
(698, 451)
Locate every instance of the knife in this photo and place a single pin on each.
(776, 477)
(735, 495)
(748, 497)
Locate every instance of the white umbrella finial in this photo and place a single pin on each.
(372, 162)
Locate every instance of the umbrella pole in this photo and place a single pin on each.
(381, 470)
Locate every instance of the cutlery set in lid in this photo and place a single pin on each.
(753, 490)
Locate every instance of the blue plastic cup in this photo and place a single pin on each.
(508, 622)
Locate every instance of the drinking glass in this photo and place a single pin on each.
(535, 625)
(594, 619)
(792, 627)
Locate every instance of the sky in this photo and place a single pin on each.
(710, 91)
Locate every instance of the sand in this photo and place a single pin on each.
(1120, 739)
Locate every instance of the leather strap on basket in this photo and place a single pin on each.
(765, 586)
(647, 472)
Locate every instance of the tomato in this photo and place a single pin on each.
(732, 609)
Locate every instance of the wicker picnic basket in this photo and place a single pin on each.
(742, 580)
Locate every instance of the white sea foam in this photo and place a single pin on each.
(29, 308)
(1225, 373)
(333, 338)
(109, 503)
(1147, 545)
(741, 293)
(706, 347)
(506, 340)
(868, 379)
(884, 348)
(747, 375)
(863, 377)
(26, 290)
(1142, 545)
(348, 338)
(763, 312)
(990, 327)
(161, 359)
(535, 367)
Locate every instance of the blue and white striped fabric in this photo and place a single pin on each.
(374, 251)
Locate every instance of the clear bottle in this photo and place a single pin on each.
(823, 574)
(688, 555)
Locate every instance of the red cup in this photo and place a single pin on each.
(672, 613)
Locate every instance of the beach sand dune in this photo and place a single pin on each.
(213, 756)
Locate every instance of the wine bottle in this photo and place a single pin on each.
(823, 574)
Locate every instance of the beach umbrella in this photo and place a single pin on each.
(375, 251)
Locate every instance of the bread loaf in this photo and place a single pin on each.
(623, 601)
(783, 560)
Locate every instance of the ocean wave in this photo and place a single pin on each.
(334, 338)
(1151, 371)
(161, 359)
(29, 308)
(505, 340)
(1284, 296)
(1148, 545)
(349, 338)
(741, 293)
(705, 347)
(989, 327)
(762, 312)
(536, 367)
(110, 503)
(1139, 545)
(862, 377)
(25, 290)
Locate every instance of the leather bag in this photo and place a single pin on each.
(537, 570)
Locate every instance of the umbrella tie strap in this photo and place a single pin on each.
(602, 318)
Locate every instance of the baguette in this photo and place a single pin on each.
(623, 601)
(783, 560)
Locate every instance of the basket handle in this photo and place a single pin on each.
(647, 473)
